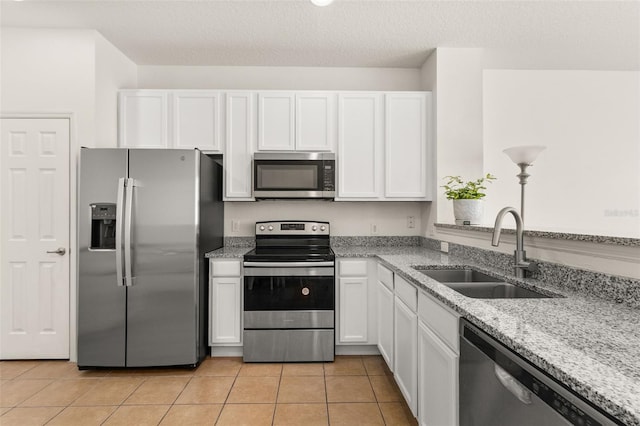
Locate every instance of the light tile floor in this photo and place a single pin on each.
(353, 390)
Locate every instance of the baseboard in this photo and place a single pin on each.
(357, 350)
(223, 351)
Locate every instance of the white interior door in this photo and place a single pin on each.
(34, 238)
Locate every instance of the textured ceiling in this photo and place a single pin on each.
(367, 33)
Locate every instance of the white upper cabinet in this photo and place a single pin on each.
(315, 121)
(360, 146)
(407, 148)
(170, 119)
(196, 120)
(384, 147)
(276, 121)
(143, 119)
(296, 121)
(239, 145)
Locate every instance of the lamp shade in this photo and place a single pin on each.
(524, 154)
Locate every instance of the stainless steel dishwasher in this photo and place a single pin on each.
(498, 387)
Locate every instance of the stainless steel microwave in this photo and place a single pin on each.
(294, 175)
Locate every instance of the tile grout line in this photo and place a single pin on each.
(176, 398)
(275, 406)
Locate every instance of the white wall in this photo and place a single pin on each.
(65, 71)
(429, 81)
(113, 71)
(50, 71)
(294, 78)
(587, 181)
(458, 120)
(347, 218)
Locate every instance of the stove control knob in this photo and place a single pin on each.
(270, 228)
(314, 228)
(323, 228)
(262, 227)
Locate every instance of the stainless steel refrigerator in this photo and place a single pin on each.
(146, 217)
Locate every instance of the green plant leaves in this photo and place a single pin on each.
(458, 189)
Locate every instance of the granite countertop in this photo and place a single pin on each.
(589, 344)
(228, 252)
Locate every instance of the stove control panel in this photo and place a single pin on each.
(298, 227)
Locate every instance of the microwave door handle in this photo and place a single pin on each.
(127, 232)
(119, 228)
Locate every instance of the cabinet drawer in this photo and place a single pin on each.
(439, 319)
(224, 268)
(406, 292)
(385, 276)
(352, 268)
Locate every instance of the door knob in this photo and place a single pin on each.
(61, 251)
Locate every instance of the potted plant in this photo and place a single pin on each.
(468, 208)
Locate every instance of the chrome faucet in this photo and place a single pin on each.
(521, 265)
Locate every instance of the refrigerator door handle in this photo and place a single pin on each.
(129, 184)
(119, 227)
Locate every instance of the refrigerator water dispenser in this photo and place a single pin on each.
(103, 226)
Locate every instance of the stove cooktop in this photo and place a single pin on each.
(290, 254)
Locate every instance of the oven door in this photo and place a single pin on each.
(289, 312)
(289, 297)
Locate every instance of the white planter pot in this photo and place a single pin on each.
(468, 212)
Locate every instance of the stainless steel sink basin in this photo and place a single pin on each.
(496, 290)
(477, 285)
(458, 276)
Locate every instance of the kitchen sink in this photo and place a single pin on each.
(494, 290)
(477, 285)
(458, 276)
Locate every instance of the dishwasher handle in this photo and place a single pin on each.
(512, 385)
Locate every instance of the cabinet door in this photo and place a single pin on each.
(437, 380)
(360, 148)
(240, 144)
(353, 310)
(406, 145)
(276, 121)
(143, 119)
(225, 309)
(385, 323)
(196, 120)
(406, 353)
(315, 121)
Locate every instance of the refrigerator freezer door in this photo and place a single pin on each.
(101, 301)
(162, 303)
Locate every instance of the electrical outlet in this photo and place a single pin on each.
(235, 226)
(444, 247)
(411, 222)
(374, 229)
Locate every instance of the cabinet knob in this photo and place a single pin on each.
(270, 228)
(262, 227)
(314, 228)
(323, 228)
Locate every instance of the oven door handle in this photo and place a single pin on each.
(289, 264)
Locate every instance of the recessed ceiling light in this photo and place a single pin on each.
(322, 3)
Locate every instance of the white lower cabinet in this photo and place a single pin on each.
(438, 357)
(353, 309)
(406, 351)
(418, 339)
(385, 323)
(356, 304)
(225, 303)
